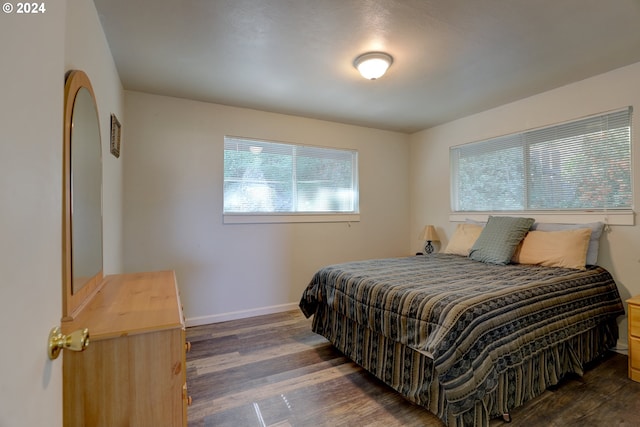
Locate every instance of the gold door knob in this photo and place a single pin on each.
(75, 341)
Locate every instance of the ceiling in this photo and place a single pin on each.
(452, 58)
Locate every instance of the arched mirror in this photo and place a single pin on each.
(82, 227)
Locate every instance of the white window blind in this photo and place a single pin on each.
(580, 165)
(264, 177)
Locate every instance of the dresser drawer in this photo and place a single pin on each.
(634, 359)
(634, 338)
(634, 320)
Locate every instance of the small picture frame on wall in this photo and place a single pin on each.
(115, 135)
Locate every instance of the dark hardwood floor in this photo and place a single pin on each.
(273, 371)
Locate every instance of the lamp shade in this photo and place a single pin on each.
(429, 234)
(373, 65)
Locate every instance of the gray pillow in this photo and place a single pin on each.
(499, 239)
(594, 240)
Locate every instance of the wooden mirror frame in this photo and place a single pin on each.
(72, 302)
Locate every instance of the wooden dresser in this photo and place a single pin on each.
(634, 338)
(134, 371)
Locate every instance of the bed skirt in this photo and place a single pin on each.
(411, 373)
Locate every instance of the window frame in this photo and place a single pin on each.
(613, 216)
(295, 216)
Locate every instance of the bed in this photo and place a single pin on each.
(466, 339)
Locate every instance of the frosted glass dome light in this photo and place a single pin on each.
(373, 65)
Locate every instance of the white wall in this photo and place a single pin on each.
(35, 54)
(429, 159)
(31, 88)
(173, 206)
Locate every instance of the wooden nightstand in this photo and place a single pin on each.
(634, 338)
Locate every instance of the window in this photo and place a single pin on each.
(272, 178)
(580, 165)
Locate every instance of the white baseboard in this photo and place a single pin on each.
(243, 314)
(622, 347)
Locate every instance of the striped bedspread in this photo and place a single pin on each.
(474, 320)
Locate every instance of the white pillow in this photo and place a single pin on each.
(565, 248)
(594, 240)
(463, 239)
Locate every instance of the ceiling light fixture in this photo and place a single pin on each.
(373, 65)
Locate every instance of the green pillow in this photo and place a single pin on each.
(499, 239)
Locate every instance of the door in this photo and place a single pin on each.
(30, 213)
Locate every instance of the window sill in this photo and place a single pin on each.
(609, 217)
(288, 218)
